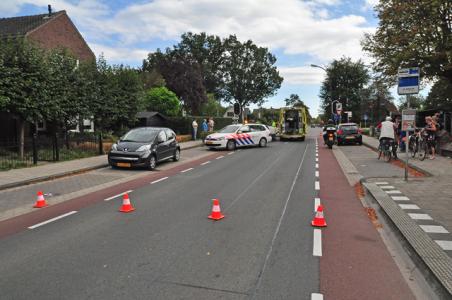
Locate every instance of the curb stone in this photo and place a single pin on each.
(429, 252)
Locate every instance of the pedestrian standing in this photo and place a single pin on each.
(204, 125)
(194, 126)
(430, 129)
(211, 124)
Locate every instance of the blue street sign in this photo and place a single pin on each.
(408, 82)
(365, 117)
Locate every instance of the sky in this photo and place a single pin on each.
(299, 33)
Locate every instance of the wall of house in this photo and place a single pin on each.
(61, 32)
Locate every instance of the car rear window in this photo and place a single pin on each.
(350, 127)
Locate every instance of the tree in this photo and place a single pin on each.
(413, 34)
(182, 75)
(207, 51)
(377, 101)
(293, 98)
(212, 107)
(344, 82)
(416, 102)
(249, 73)
(440, 96)
(162, 100)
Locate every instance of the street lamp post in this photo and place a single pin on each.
(330, 91)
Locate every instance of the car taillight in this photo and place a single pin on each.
(340, 131)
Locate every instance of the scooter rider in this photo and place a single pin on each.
(329, 124)
(387, 133)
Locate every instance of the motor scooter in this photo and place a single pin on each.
(330, 136)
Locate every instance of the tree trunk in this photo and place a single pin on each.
(21, 136)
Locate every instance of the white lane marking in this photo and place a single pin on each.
(387, 187)
(219, 157)
(53, 219)
(409, 206)
(400, 198)
(316, 173)
(316, 203)
(316, 159)
(317, 245)
(393, 192)
(205, 163)
(316, 155)
(434, 229)
(158, 180)
(285, 143)
(316, 296)
(446, 245)
(317, 186)
(420, 216)
(118, 195)
(381, 183)
(230, 153)
(186, 170)
(316, 166)
(278, 226)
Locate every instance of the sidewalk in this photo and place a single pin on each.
(19, 177)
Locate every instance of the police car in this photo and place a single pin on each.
(239, 135)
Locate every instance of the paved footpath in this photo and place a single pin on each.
(420, 208)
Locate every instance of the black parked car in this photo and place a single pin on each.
(349, 133)
(145, 147)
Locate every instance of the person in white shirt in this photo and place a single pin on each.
(387, 134)
(194, 125)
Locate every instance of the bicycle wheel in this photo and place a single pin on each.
(380, 151)
(422, 149)
(387, 155)
(412, 147)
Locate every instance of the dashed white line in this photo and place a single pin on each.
(186, 170)
(118, 195)
(434, 229)
(316, 203)
(230, 153)
(53, 219)
(317, 245)
(158, 180)
(316, 166)
(393, 192)
(381, 183)
(387, 187)
(446, 245)
(409, 206)
(420, 217)
(219, 157)
(400, 198)
(316, 173)
(317, 155)
(316, 296)
(316, 159)
(317, 186)
(205, 163)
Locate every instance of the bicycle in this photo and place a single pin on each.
(385, 150)
(418, 145)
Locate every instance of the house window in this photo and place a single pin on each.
(41, 126)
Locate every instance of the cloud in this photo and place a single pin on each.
(302, 75)
(119, 54)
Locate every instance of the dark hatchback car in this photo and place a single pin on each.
(144, 147)
(349, 133)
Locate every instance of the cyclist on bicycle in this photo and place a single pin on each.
(387, 134)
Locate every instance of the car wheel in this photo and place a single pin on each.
(263, 142)
(152, 162)
(176, 155)
(230, 146)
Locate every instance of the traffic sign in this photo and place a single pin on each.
(338, 106)
(408, 119)
(365, 117)
(408, 81)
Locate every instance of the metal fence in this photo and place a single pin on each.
(48, 148)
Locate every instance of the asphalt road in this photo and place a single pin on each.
(168, 249)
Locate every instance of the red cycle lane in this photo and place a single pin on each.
(22, 222)
(355, 262)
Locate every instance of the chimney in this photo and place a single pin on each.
(49, 7)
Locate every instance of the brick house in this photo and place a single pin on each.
(48, 31)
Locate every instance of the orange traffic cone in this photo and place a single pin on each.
(216, 211)
(319, 220)
(40, 202)
(126, 206)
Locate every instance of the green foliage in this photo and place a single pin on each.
(345, 82)
(416, 101)
(162, 100)
(376, 102)
(213, 107)
(249, 72)
(413, 34)
(440, 96)
(293, 98)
